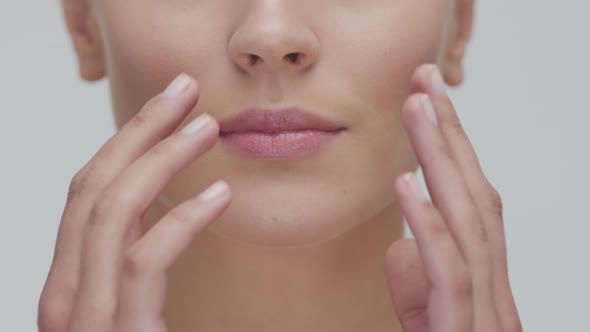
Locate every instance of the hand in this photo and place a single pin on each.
(108, 272)
(453, 277)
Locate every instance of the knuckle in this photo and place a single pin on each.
(439, 229)
(417, 318)
(495, 200)
(141, 118)
(53, 313)
(490, 199)
(480, 233)
(136, 263)
(109, 201)
(456, 125)
(95, 214)
(444, 148)
(99, 210)
(78, 183)
(460, 284)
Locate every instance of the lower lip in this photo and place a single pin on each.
(280, 145)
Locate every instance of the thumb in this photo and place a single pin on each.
(408, 285)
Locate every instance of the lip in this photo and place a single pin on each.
(283, 133)
(274, 121)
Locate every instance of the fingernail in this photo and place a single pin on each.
(214, 191)
(429, 109)
(414, 187)
(437, 81)
(177, 86)
(196, 124)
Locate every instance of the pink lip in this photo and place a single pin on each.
(277, 134)
(272, 121)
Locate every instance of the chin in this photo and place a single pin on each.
(293, 215)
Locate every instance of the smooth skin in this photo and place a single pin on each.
(301, 247)
(452, 278)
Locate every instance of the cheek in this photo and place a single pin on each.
(381, 51)
(375, 58)
(147, 49)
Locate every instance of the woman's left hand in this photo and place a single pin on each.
(453, 277)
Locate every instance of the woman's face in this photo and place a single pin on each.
(358, 57)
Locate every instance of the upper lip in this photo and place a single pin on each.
(276, 120)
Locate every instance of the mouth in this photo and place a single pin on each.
(277, 134)
(278, 120)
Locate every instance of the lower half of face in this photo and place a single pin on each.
(360, 57)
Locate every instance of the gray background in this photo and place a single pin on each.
(524, 105)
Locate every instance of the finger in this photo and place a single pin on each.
(143, 281)
(124, 202)
(445, 183)
(450, 304)
(155, 120)
(408, 284)
(428, 79)
(453, 199)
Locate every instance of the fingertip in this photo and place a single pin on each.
(420, 77)
(193, 85)
(428, 79)
(216, 191)
(402, 190)
(401, 180)
(412, 107)
(413, 187)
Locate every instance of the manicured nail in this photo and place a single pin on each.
(437, 81)
(177, 86)
(214, 191)
(414, 187)
(429, 109)
(196, 124)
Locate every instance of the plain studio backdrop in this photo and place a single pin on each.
(524, 105)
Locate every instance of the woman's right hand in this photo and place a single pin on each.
(107, 275)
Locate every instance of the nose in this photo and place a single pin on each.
(271, 39)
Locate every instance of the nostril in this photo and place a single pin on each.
(293, 57)
(253, 59)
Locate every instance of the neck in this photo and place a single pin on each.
(222, 285)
